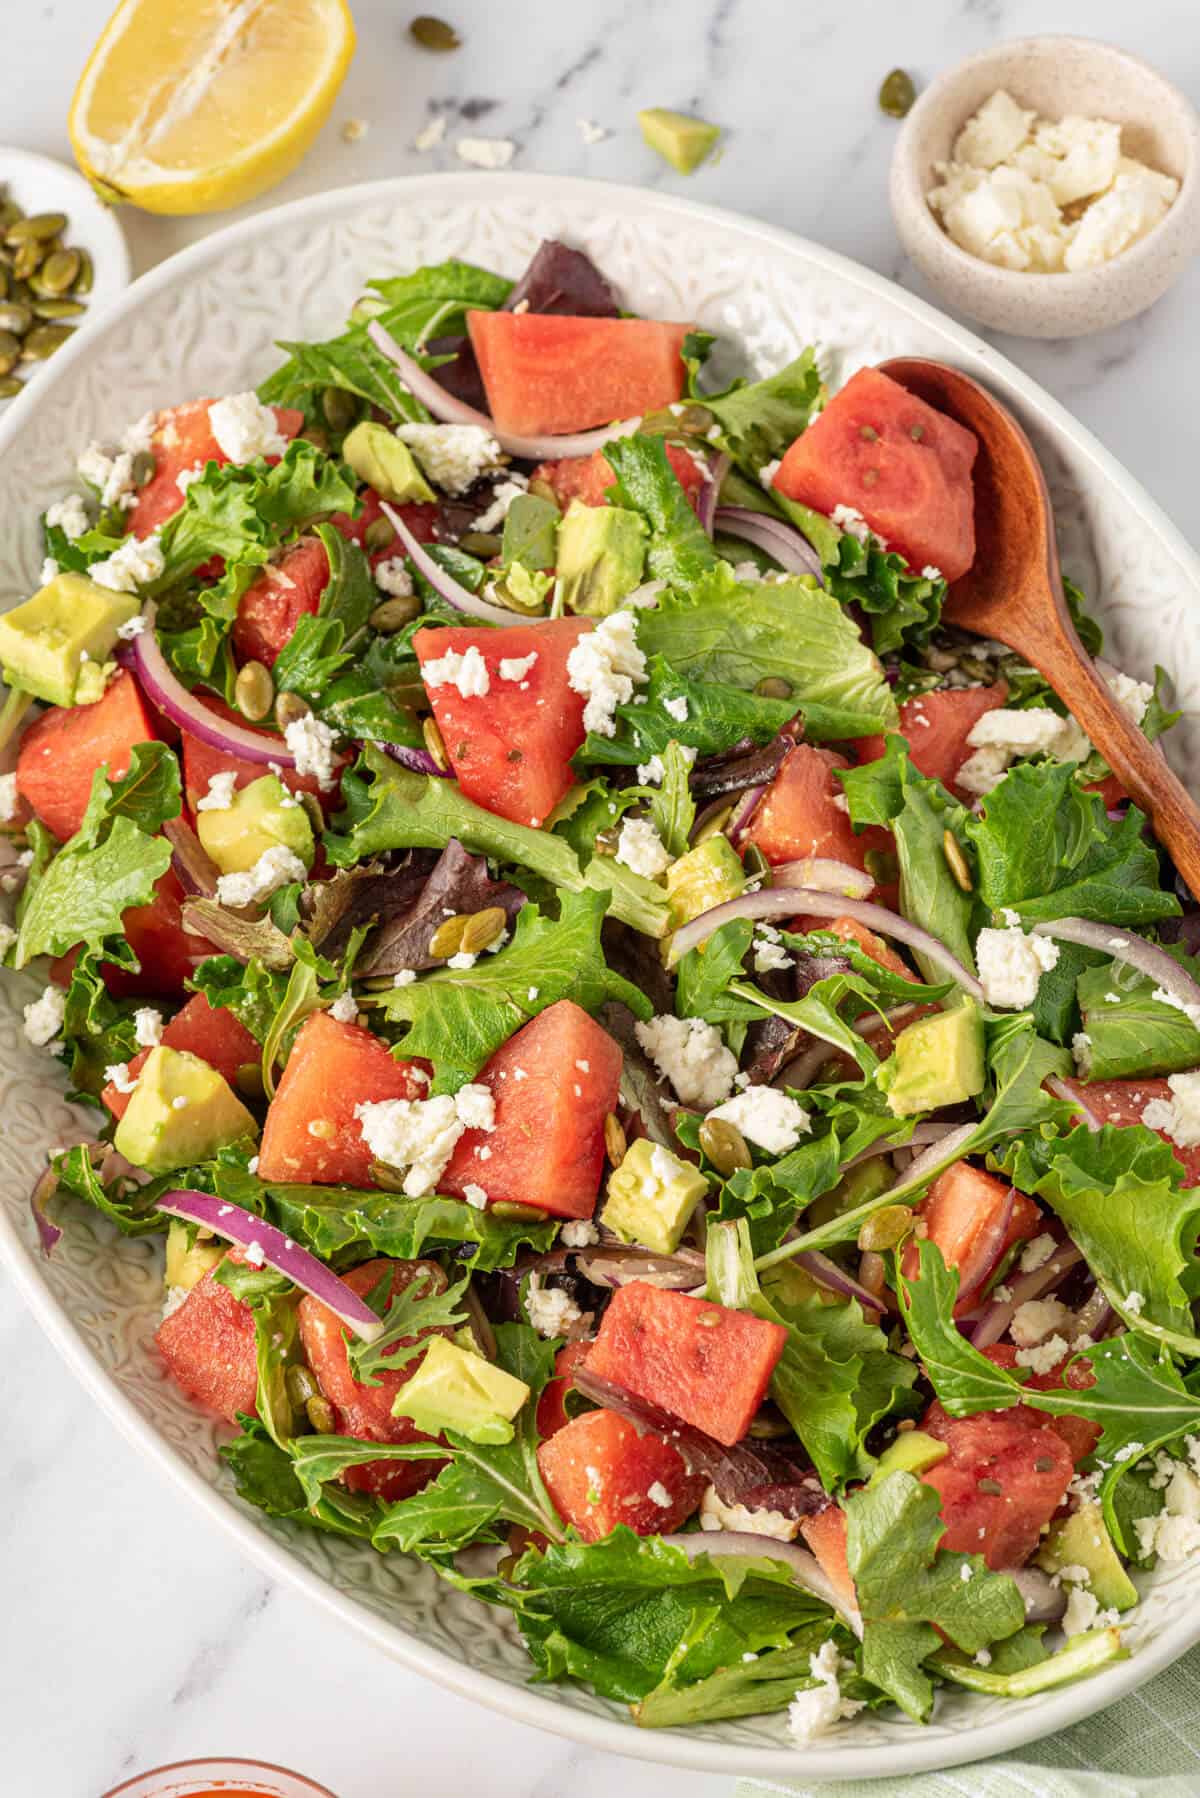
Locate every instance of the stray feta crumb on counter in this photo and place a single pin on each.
(276, 867)
(244, 428)
(1011, 964)
(311, 743)
(135, 562)
(641, 848)
(453, 456)
(9, 797)
(118, 1075)
(715, 1514)
(219, 796)
(344, 1008)
(392, 577)
(1037, 1252)
(578, 1234)
(466, 670)
(550, 1311)
(354, 130)
(147, 1027)
(517, 667)
(1179, 1116)
(69, 516)
(420, 1135)
(591, 132)
(766, 1116)
(605, 665)
(43, 1019)
(813, 1712)
(1038, 1318)
(486, 152)
(692, 1056)
(431, 135)
(110, 475)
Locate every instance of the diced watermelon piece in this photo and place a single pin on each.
(422, 521)
(273, 604)
(936, 726)
(851, 931)
(589, 478)
(553, 1084)
(311, 1133)
(825, 1534)
(799, 816)
(1079, 1433)
(903, 465)
(212, 1032)
(182, 440)
(961, 1214)
(552, 1414)
(511, 747)
(703, 1363)
(546, 375)
(201, 761)
(208, 1346)
(1006, 1474)
(62, 749)
(366, 1411)
(1123, 1102)
(600, 1472)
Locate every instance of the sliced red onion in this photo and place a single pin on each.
(922, 1133)
(999, 1314)
(1061, 1090)
(45, 1189)
(782, 542)
(1123, 945)
(172, 698)
(775, 902)
(743, 811)
(943, 1150)
(419, 760)
(805, 1568)
(1095, 1317)
(452, 591)
(1044, 1602)
(449, 411)
(706, 503)
(986, 1250)
(278, 1251)
(828, 1273)
(197, 871)
(824, 875)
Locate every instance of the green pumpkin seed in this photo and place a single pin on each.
(288, 708)
(482, 928)
(320, 1415)
(318, 438)
(300, 1385)
(28, 258)
(340, 408)
(59, 273)
(86, 275)
(20, 293)
(10, 212)
(40, 227)
(389, 1179)
(897, 93)
(435, 743)
(311, 807)
(44, 340)
(520, 1214)
(484, 544)
(724, 1145)
(394, 614)
(957, 861)
(142, 468)
(542, 490)
(254, 691)
(434, 34)
(54, 309)
(885, 1229)
(15, 317)
(756, 865)
(9, 387)
(248, 1079)
(379, 534)
(615, 1140)
(3, 282)
(774, 687)
(714, 826)
(10, 352)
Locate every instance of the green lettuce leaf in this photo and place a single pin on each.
(672, 808)
(678, 550)
(760, 420)
(717, 716)
(315, 653)
(1130, 1033)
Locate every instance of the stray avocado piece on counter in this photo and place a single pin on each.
(601, 550)
(181, 1112)
(386, 465)
(706, 876)
(652, 1196)
(937, 1061)
(189, 1255)
(454, 1389)
(259, 817)
(50, 645)
(1082, 1542)
(897, 94)
(683, 141)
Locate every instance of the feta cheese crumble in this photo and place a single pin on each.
(578, 1234)
(69, 516)
(118, 1075)
(219, 796)
(110, 474)
(692, 1056)
(431, 135)
(147, 1027)
(591, 132)
(405, 977)
(770, 952)
(276, 867)
(466, 670)
(1011, 964)
(766, 1116)
(244, 428)
(486, 152)
(344, 1008)
(677, 708)
(475, 1196)
(133, 564)
(420, 1135)
(453, 456)
(392, 577)
(715, 1514)
(605, 665)
(1038, 1318)
(654, 772)
(1037, 1252)
(311, 743)
(658, 1495)
(1179, 1116)
(550, 1310)
(517, 667)
(640, 847)
(850, 520)
(813, 1712)
(132, 627)
(43, 1019)
(503, 495)
(1044, 1357)
(9, 798)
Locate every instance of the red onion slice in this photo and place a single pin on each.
(824, 875)
(419, 760)
(449, 411)
(278, 1251)
(986, 1251)
(452, 591)
(782, 542)
(172, 698)
(804, 1567)
(828, 1273)
(1123, 945)
(1044, 1602)
(706, 502)
(1061, 1090)
(743, 811)
(943, 1150)
(775, 902)
(48, 1233)
(999, 1314)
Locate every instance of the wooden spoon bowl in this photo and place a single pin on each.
(1014, 593)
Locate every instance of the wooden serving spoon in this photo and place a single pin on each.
(1014, 593)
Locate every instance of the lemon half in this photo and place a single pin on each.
(198, 105)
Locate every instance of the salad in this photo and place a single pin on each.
(669, 1078)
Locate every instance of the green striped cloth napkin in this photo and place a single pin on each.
(1146, 1746)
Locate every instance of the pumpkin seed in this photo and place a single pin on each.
(518, 1214)
(254, 691)
(3, 282)
(390, 1179)
(15, 317)
(714, 826)
(54, 309)
(483, 928)
(59, 273)
(607, 842)
(435, 743)
(897, 93)
(542, 490)
(28, 258)
(86, 275)
(724, 1145)
(300, 1384)
(957, 861)
(339, 408)
(10, 352)
(320, 1414)
(142, 468)
(10, 212)
(43, 340)
(318, 438)
(434, 34)
(615, 1142)
(393, 614)
(248, 1079)
(774, 687)
(288, 708)
(379, 534)
(483, 544)
(941, 660)
(9, 387)
(885, 1229)
(40, 228)
(310, 805)
(447, 939)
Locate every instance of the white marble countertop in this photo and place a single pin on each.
(133, 1633)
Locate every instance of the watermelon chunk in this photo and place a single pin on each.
(208, 1346)
(62, 749)
(600, 1472)
(588, 478)
(511, 747)
(422, 521)
(546, 375)
(904, 466)
(1123, 1102)
(825, 1534)
(1006, 1474)
(851, 931)
(273, 604)
(311, 1133)
(799, 816)
(201, 761)
(553, 1084)
(936, 727)
(211, 1032)
(961, 1213)
(703, 1363)
(365, 1411)
(183, 440)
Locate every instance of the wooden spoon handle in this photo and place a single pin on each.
(1141, 767)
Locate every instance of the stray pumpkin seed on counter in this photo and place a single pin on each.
(41, 284)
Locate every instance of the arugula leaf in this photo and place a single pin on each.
(265, 1475)
(672, 808)
(416, 1308)
(273, 1301)
(742, 632)
(679, 550)
(252, 992)
(87, 888)
(761, 420)
(148, 793)
(702, 979)
(530, 533)
(818, 1012)
(460, 1016)
(717, 715)
(1128, 1031)
(130, 1206)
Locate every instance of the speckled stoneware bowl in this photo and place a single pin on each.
(1055, 76)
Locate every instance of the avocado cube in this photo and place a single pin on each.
(453, 1389)
(707, 875)
(937, 1061)
(181, 1112)
(262, 816)
(680, 139)
(1082, 1540)
(69, 623)
(651, 1197)
(187, 1265)
(386, 464)
(601, 550)
(911, 1452)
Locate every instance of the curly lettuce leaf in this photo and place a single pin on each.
(717, 716)
(1130, 1032)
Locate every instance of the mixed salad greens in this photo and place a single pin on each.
(670, 1077)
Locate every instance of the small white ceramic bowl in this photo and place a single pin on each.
(1055, 76)
(40, 184)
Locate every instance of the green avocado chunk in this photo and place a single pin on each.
(262, 816)
(651, 1197)
(911, 1452)
(1082, 1540)
(937, 1061)
(707, 875)
(48, 646)
(600, 554)
(187, 1265)
(682, 140)
(455, 1390)
(181, 1112)
(386, 464)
